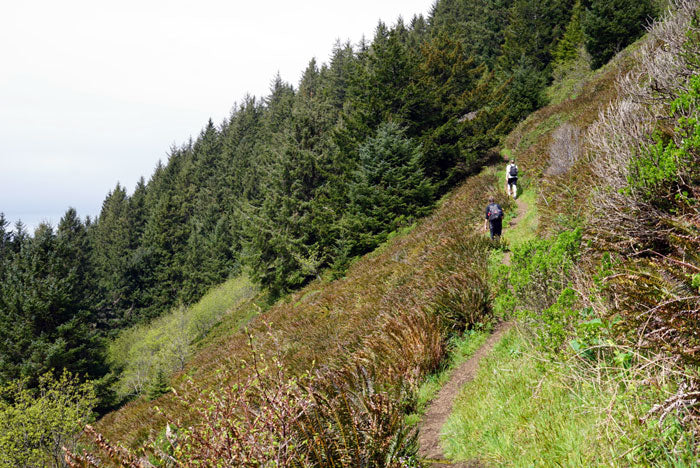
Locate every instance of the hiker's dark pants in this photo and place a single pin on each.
(512, 181)
(496, 225)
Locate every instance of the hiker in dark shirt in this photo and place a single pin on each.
(494, 218)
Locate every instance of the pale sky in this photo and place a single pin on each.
(93, 93)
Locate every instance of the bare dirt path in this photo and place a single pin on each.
(441, 407)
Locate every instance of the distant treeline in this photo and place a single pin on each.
(299, 182)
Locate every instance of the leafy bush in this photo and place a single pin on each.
(666, 172)
(535, 286)
(38, 423)
(654, 292)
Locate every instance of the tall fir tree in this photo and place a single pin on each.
(461, 115)
(610, 25)
(389, 189)
(112, 249)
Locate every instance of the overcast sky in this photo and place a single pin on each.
(93, 93)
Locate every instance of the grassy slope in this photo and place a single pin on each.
(518, 411)
(331, 323)
(325, 324)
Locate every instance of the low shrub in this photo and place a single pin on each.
(333, 418)
(38, 423)
(535, 287)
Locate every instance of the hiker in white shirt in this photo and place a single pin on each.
(512, 179)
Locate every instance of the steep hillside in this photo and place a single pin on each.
(383, 327)
(569, 385)
(296, 185)
(601, 370)
(390, 314)
(394, 149)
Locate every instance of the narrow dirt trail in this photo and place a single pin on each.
(441, 407)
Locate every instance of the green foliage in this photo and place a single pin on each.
(113, 240)
(540, 268)
(567, 49)
(532, 30)
(477, 24)
(462, 113)
(664, 172)
(696, 282)
(663, 188)
(44, 306)
(389, 190)
(146, 355)
(38, 423)
(159, 386)
(610, 25)
(517, 412)
(535, 286)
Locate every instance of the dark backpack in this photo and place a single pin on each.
(495, 212)
(513, 171)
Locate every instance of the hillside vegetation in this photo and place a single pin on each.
(602, 369)
(370, 339)
(355, 203)
(296, 184)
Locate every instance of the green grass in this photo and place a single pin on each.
(526, 229)
(525, 410)
(519, 412)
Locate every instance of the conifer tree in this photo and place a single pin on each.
(534, 27)
(283, 245)
(567, 48)
(5, 251)
(389, 188)
(137, 212)
(19, 236)
(165, 238)
(610, 25)
(159, 386)
(112, 249)
(43, 322)
(461, 114)
(241, 148)
(335, 77)
(74, 251)
(477, 24)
